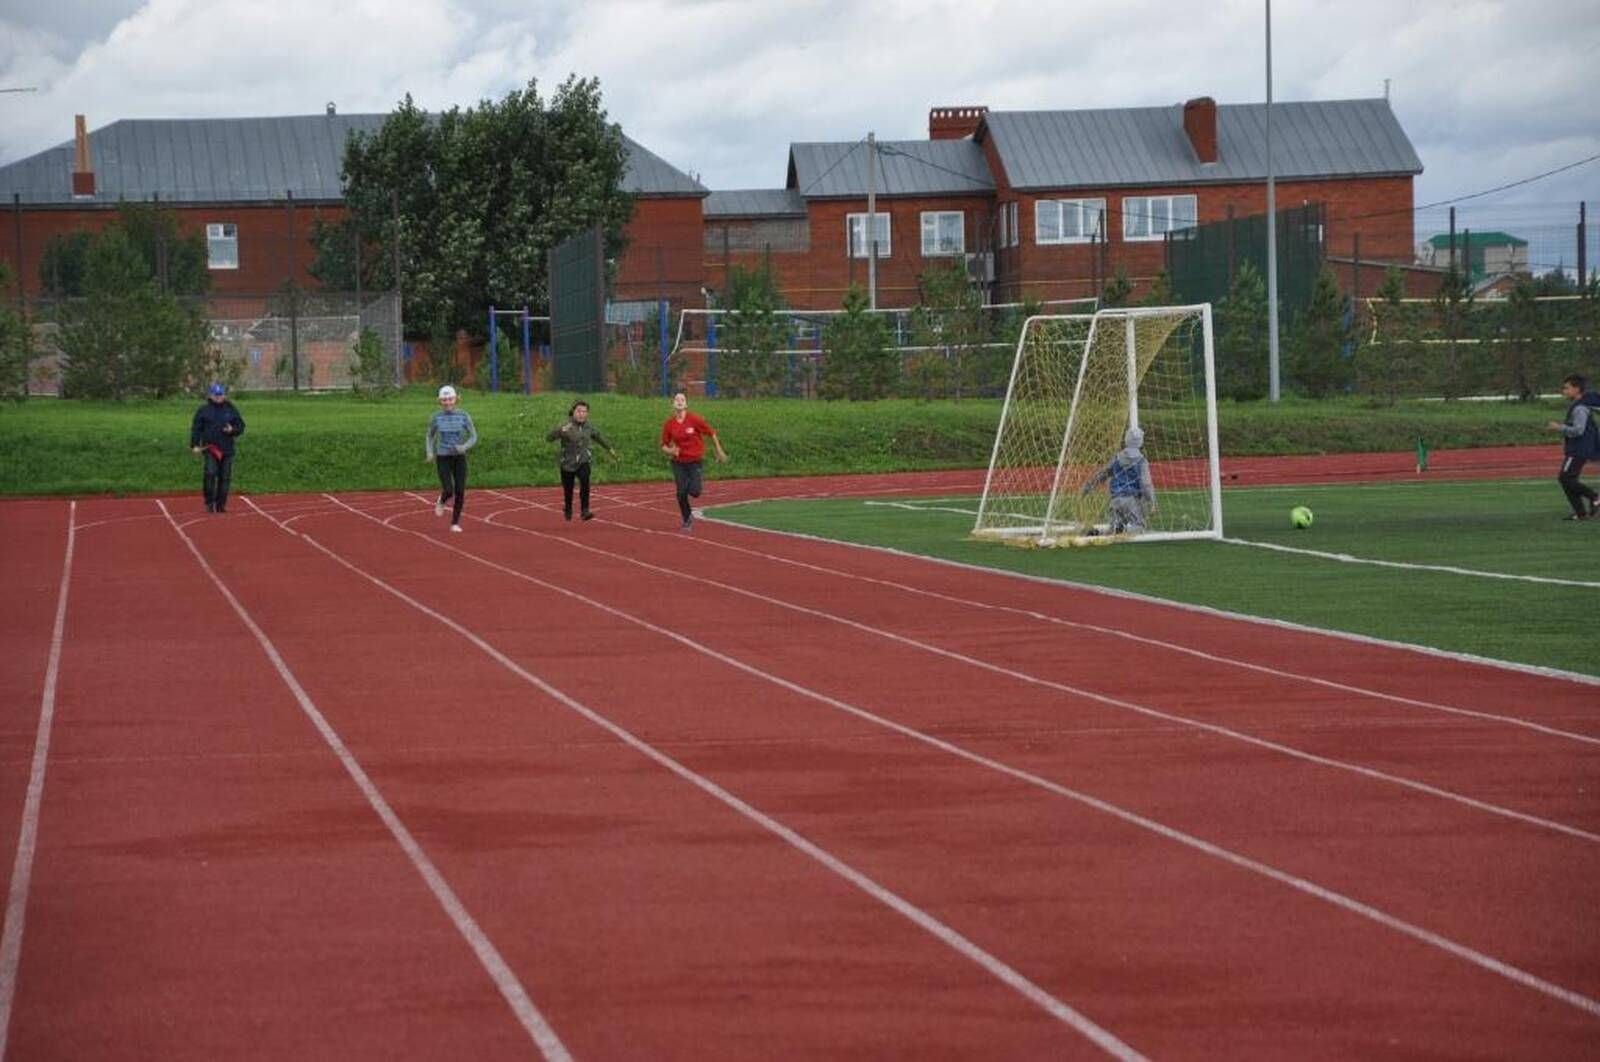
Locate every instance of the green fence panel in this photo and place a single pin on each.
(578, 312)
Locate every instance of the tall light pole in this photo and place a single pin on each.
(872, 221)
(1272, 236)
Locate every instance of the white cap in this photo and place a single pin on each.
(447, 391)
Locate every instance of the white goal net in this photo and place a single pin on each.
(1109, 431)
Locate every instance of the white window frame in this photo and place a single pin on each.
(220, 234)
(1151, 217)
(1085, 215)
(855, 226)
(939, 218)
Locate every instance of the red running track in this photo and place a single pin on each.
(325, 782)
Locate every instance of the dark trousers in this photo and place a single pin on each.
(1576, 492)
(452, 482)
(686, 475)
(217, 478)
(580, 476)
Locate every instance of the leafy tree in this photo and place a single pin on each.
(175, 262)
(1160, 293)
(951, 328)
(372, 370)
(751, 335)
(1452, 309)
(1324, 340)
(16, 346)
(124, 337)
(1523, 334)
(1392, 361)
(1241, 349)
(1117, 289)
(482, 196)
(858, 362)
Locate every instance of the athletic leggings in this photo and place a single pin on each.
(1571, 469)
(686, 476)
(452, 482)
(580, 476)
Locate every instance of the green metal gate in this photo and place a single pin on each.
(1203, 261)
(578, 312)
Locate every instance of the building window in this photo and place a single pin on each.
(222, 246)
(1150, 217)
(1014, 226)
(943, 232)
(855, 232)
(1067, 220)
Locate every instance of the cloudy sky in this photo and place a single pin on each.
(1490, 91)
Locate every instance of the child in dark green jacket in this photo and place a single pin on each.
(577, 437)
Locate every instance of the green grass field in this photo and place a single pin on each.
(1494, 529)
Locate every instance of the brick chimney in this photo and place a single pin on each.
(953, 123)
(82, 173)
(1200, 122)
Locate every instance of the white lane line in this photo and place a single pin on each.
(1078, 691)
(1337, 899)
(1144, 640)
(28, 835)
(1009, 976)
(534, 1022)
(1446, 569)
(1186, 606)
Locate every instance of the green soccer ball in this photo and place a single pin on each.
(1300, 518)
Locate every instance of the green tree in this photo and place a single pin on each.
(951, 329)
(1390, 362)
(1160, 293)
(1117, 290)
(482, 196)
(858, 363)
(1241, 343)
(175, 262)
(751, 334)
(1324, 340)
(16, 346)
(124, 337)
(1452, 310)
(1523, 335)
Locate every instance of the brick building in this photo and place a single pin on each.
(253, 186)
(1046, 204)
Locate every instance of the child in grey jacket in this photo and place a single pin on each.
(450, 435)
(1127, 476)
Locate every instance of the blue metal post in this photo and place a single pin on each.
(662, 319)
(711, 356)
(527, 353)
(494, 360)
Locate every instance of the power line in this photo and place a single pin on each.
(1479, 195)
(813, 182)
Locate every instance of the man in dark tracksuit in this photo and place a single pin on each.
(1580, 436)
(216, 425)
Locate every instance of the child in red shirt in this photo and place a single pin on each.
(683, 439)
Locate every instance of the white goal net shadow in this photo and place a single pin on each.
(1109, 432)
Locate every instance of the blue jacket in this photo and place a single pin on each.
(206, 430)
(1583, 415)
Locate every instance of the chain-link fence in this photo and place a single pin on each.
(291, 340)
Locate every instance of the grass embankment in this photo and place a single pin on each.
(340, 442)
(1510, 528)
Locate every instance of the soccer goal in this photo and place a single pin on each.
(1078, 384)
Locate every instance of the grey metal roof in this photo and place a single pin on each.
(228, 160)
(755, 203)
(1148, 146)
(905, 168)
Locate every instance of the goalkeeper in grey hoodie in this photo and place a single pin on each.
(1127, 477)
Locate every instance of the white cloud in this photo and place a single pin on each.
(1485, 88)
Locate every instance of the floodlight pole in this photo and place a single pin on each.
(872, 221)
(1272, 236)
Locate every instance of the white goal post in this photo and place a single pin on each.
(1061, 472)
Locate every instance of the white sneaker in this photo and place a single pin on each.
(456, 528)
(438, 508)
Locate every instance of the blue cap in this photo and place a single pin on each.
(218, 389)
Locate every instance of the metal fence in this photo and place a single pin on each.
(277, 342)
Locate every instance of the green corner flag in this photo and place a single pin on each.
(1422, 456)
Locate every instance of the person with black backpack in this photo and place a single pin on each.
(1581, 438)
